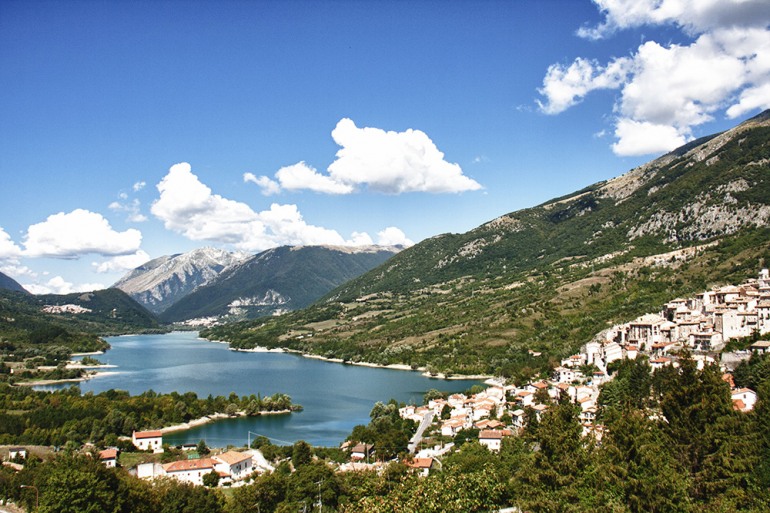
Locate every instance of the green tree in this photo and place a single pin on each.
(301, 453)
(211, 479)
(202, 448)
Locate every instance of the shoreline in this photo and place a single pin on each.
(393, 366)
(46, 382)
(206, 419)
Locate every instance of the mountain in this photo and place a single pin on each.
(161, 282)
(75, 321)
(277, 280)
(544, 280)
(8, 283)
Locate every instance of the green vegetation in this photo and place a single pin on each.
(545, 279)
(58, 418)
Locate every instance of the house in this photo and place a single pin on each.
(148, 440)
(109, 457)
(237, 465)
(422, 466)
(745, 397)
(763, 346)
(518, 419)
(452, 426)
(659, 363)
(190, 471)
(361, 452)
(491, 439)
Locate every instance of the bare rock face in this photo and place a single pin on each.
(161, 282)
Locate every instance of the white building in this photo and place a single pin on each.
(190, 471)
(237, 465)
(148, 440)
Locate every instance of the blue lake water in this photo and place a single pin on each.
(336, 397)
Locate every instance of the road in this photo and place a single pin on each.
(427, 419)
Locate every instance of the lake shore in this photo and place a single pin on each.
(392, 366)
(86, 377)
(184, 426)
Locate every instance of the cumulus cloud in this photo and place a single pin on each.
(666, 90)
(8, 249)
(394, 162)
(301, 176)
(77, 233)
(388, 162)
(641, 138)
(392, 236)
(565, 86)
(121, 263)
(693, 16)
(138, 186)
(269, 187)
(58, 285)
(187, 206)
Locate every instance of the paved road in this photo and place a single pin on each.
(427, 419)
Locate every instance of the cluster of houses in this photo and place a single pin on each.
(703, 324)
(231, 466)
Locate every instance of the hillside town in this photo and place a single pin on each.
(702, 324)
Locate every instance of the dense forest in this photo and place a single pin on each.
(67, 417)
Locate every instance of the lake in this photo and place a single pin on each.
(336, 397)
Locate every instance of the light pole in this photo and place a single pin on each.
(37, 495)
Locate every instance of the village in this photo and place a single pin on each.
(703, 325)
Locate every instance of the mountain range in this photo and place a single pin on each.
(208, 283)
(526, 288)
(163, 281)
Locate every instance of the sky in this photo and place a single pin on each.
(131, 130)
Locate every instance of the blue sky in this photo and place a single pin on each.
(131, 130)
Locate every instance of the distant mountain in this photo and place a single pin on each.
(8, 283)
(75, 321)
(161, 282)
(277, 280)
(545, 280)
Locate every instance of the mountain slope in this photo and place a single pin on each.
(75, 321)
(163, 281)
(279, 279)
(8, 283)
(546, 279)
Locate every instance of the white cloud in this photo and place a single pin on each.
(188, 207)
(8, 249)
(138, 186)
(269, 187)
(667, 90)
(15, 270)
(389, 162)
(121, 263)
(301, 176)
(641, 138)
(58, 285)
(78, 233)
(692, 16)
(565, 86)
(394, 162)
(392, 236)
